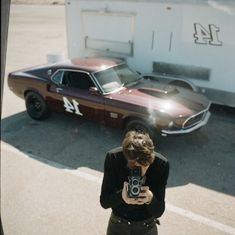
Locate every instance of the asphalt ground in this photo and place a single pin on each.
(51, 171)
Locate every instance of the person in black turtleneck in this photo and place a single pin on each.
(134, 215)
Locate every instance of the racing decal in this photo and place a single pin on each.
(71, 107)
(207, 36)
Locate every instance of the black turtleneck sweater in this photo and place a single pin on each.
(116, 172)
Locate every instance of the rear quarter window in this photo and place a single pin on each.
(57, 77)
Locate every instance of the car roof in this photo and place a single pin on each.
(89, 64)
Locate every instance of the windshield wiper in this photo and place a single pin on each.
(124, 83)
(132, 82)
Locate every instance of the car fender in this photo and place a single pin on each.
(132, 117)
(41, 89)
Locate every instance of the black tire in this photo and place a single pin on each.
(140, 126)
(36, 106)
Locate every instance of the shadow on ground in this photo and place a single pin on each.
(204, 157)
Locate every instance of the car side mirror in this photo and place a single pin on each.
(93, 90)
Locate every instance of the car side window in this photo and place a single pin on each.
(77, 80)
(57, 78)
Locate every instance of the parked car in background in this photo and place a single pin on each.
(109, 92)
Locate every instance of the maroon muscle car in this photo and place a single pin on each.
(108, 91)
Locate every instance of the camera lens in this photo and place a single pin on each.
(135, 190)
(135, 182)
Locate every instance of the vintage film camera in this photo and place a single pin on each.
(135, 182)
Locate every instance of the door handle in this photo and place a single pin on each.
(58, 90)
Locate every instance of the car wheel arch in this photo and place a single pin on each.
(127, 119)
(132, 121)
(183, 84)
(32, 90)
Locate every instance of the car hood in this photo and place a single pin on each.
(172, 100)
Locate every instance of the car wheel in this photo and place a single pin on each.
(36, 106)
(140, 126)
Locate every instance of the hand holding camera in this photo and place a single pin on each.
(144, 197)
(135, 182)
(133, 192)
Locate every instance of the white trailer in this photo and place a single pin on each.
(186, 42)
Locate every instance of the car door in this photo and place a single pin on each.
(71, 93)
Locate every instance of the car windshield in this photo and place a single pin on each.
(115, 78)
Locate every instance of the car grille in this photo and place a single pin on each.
(193, 120)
